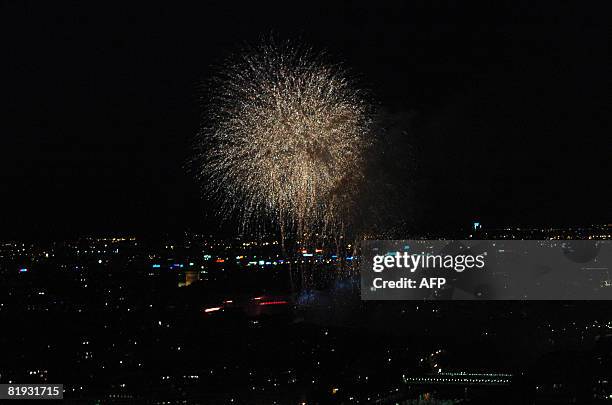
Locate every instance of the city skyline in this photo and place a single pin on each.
(310, 203)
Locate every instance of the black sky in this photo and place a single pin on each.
(510, 105)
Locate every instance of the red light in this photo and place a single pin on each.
(273, 303)
(220, 261)
(318, 250)
(258, 298)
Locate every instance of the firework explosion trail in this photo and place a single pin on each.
(285, 134)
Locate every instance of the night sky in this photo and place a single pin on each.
(508, 106)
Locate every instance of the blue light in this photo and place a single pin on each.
(349, 258)
(156, 266)
(24, 270)
(307, 254)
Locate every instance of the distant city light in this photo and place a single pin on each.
(273, 303)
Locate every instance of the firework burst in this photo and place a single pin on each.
(284, 135)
